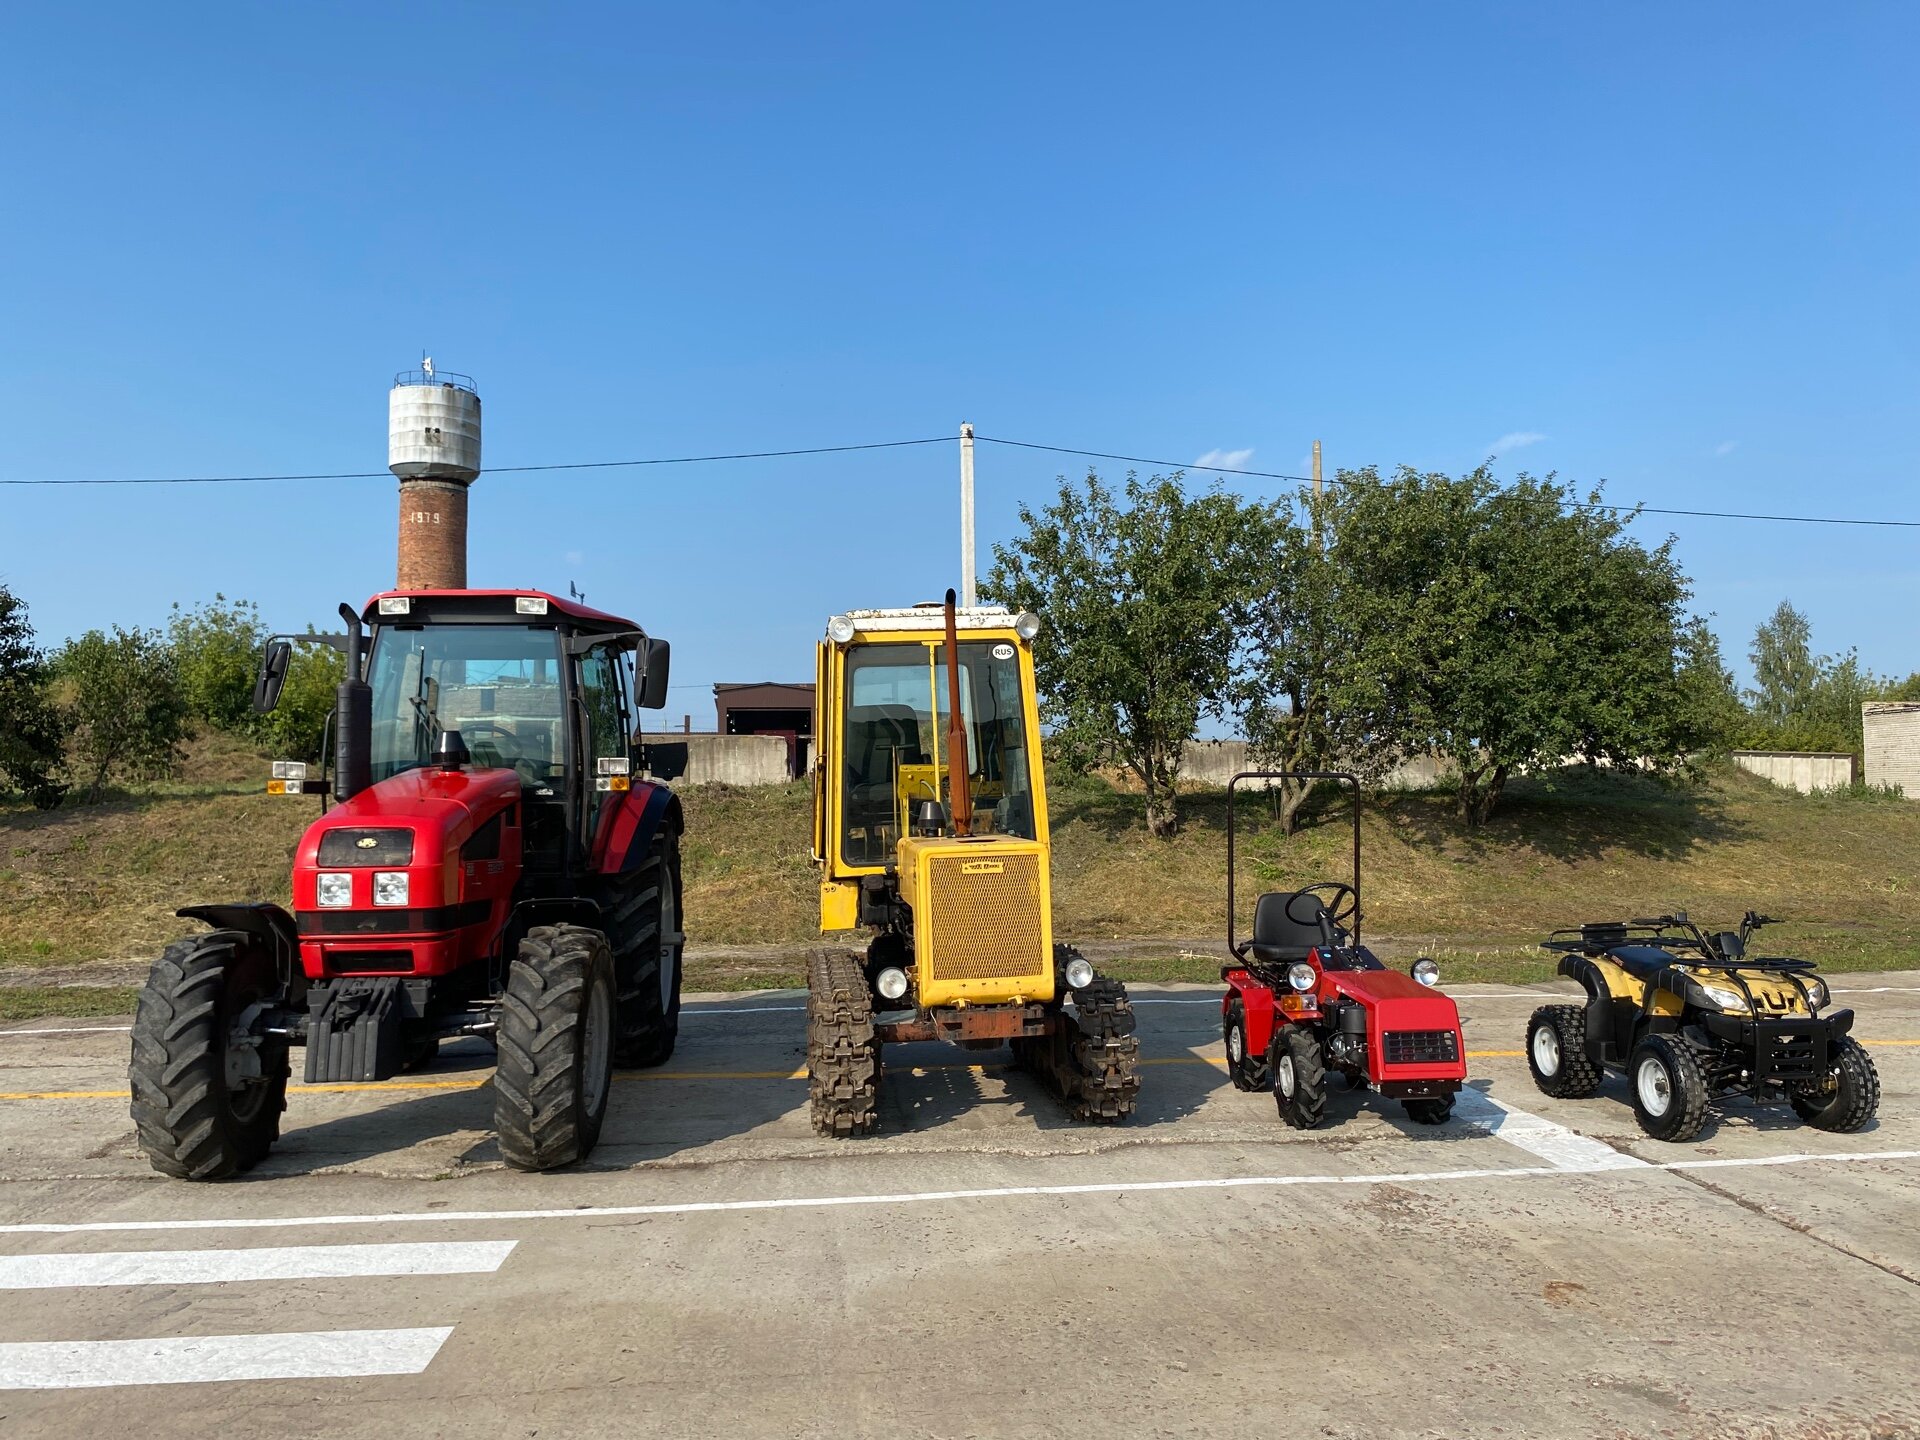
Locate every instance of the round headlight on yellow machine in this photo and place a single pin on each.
(1026, 624)
(1078, 973)
(891, 982)
(840, 629)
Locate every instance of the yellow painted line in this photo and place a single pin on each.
(1496, 1054)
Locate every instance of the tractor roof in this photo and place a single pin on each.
(932, 617)
(474, 605)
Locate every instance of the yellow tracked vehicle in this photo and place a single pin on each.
(949, 876)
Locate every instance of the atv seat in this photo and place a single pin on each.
(1642, 962)
(1278, 938)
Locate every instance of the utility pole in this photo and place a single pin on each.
(966, 516)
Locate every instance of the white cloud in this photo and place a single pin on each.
(1224, 459)
(1515, 440)
(1726, 447)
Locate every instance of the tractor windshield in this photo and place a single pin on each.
(498, 685)
(896, 737)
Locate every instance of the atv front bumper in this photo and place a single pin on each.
(1789, 1050)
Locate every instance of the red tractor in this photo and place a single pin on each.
(492, 867)
(1304, 996)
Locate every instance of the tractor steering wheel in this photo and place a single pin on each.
(509, 753)
(1338, 905)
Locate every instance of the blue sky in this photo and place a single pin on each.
(1671, 246)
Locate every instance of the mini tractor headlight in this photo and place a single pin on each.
(1726, 999)
(1426, 972)
(1300, 976)
(891, 982)
(390, 887)
(1079, 973)
(333, 891)
(1816, 992)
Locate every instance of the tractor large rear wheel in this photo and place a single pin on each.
(647, 949)
(843, 1054)
(555, 1038)
(208, 1082)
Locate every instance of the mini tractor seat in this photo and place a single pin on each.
(1278, 938)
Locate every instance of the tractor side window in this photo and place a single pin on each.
(606, 724)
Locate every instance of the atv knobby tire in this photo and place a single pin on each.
(843, 1056)
(1557, 1053)
(1247, 1070)
(648, 945)
(1851, 1095)
(1668, 1087)
(555, 1039)
(1299, 1077)
(1091, 1060)
(194, 1119)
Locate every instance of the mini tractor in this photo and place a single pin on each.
(1692, 1018)
(1305, 997)
(491, 867)
(930, 832)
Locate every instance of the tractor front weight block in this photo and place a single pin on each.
(353, 1031)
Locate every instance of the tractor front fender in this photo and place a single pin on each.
(268, 926)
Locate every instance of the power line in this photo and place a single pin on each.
(502, 469)
(1572, 504)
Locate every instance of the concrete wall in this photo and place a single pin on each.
(682, 759)
(1214, 762)
(1892, 729)
(1802, 770)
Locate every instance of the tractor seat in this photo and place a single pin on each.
(1279, 939)
(1642, 962)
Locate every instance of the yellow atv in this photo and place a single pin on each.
(1691, 1018)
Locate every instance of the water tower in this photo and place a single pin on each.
(433, 446)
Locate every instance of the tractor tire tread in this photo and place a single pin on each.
(1855, 1100)
(538, 1041)
(843, 1054)
(1309, 1104)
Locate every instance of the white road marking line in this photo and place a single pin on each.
(1548, 996)
(922, 1197)
(326, 1354)
(72, 1030)
(1558, 1146)
(210, 1267)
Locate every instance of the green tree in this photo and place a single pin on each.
(1144, 596)
(1502, 628)
(31, 729)
(1802, 700)
(216, 648)
(1705, 688)
(1785, 671)
(127, 709)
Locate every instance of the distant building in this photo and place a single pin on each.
(768, 707)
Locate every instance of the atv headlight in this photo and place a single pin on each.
(1726, 999)
(1079, 973)
(1426, 972)
(390, 887)
(333, 890)
(1816, 992)
(1300, 975)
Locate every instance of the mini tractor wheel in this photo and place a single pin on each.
(1433, 1110)
(556, 1040)
(1299, 1078)
(1669, 1090)
(1247, 1070)
(1850, 1096)
(208, 1083)
(1557, 1053)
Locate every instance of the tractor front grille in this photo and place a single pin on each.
(1419, 1047)
(985, 922)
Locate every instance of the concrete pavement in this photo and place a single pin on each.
(984, 1267)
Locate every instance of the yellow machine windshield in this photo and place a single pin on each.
(896, 743)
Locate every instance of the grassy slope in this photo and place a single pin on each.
(101, 882)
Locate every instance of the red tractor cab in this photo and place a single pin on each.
(492, 865)
(1305, 997)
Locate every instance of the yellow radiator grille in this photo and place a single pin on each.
(985, 923)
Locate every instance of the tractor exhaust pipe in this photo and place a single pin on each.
(353, 729)
(959, 787)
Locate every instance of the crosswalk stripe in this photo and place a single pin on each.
(1558, 1146)
(289, 1262)
(314, 1355)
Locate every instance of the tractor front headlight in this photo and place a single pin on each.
(1726, 999)
(333, 890)
(390, 887)
(1301, 976)
(1426, 971)
(1816, 992)
(1026, 624)
(1078, 972)
(840, 629)
(891, 982)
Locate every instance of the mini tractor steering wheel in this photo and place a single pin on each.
(1339, 902)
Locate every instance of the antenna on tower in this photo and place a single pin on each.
(426, 364)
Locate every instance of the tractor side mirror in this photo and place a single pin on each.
(654, 661)
(274, 662)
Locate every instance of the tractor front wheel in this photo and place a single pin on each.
(1850, 1096)
(208, 1082)
(1300, 1078)
(1247, 1070)
(1669, 1090)
(1434, 1110)
(555, 1039)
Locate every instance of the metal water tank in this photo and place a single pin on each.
(433, 426)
